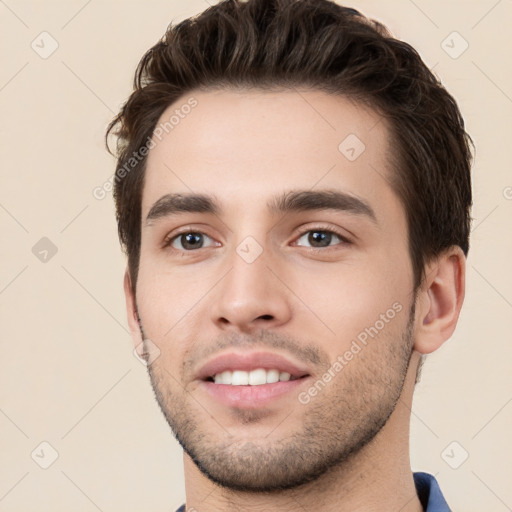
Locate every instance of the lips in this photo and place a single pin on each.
(238, 367)
(251, 380)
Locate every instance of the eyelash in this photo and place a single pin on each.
(344, 240)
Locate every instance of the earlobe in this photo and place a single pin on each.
(440, 300)
(131, 310)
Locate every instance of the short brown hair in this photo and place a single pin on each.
(314, 43)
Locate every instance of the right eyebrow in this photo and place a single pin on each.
(172, 204)
(309, 200)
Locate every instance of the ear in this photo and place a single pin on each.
(131, 310)
(439, 300)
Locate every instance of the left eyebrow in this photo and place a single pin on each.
(307, 200)
(172, 204)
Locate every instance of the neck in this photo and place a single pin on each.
(376, 478)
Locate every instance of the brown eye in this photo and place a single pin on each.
(191, 241)
(319, 238)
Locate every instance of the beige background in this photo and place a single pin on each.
(68, 375)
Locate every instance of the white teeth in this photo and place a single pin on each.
(284, 376)
(253, 378)
(227, 377)
(272, 376)
(240, 378)
(257, 377)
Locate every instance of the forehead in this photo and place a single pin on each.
(244, 146)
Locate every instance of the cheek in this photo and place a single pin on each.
(351, 302)
(165, 295)
(168, 308)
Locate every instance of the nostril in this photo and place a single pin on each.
(223, 320)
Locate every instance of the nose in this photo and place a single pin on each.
(250, 296)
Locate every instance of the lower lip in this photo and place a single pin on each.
(251, 397)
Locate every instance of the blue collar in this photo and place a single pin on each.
(429, 493)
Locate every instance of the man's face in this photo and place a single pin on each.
(293, 258)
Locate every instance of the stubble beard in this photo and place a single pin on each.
(336, 425)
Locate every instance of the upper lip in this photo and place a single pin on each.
(250, 361)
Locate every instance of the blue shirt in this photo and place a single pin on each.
(428, 491)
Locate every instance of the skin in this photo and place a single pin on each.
(308, 304)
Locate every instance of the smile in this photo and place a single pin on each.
(256, 377)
